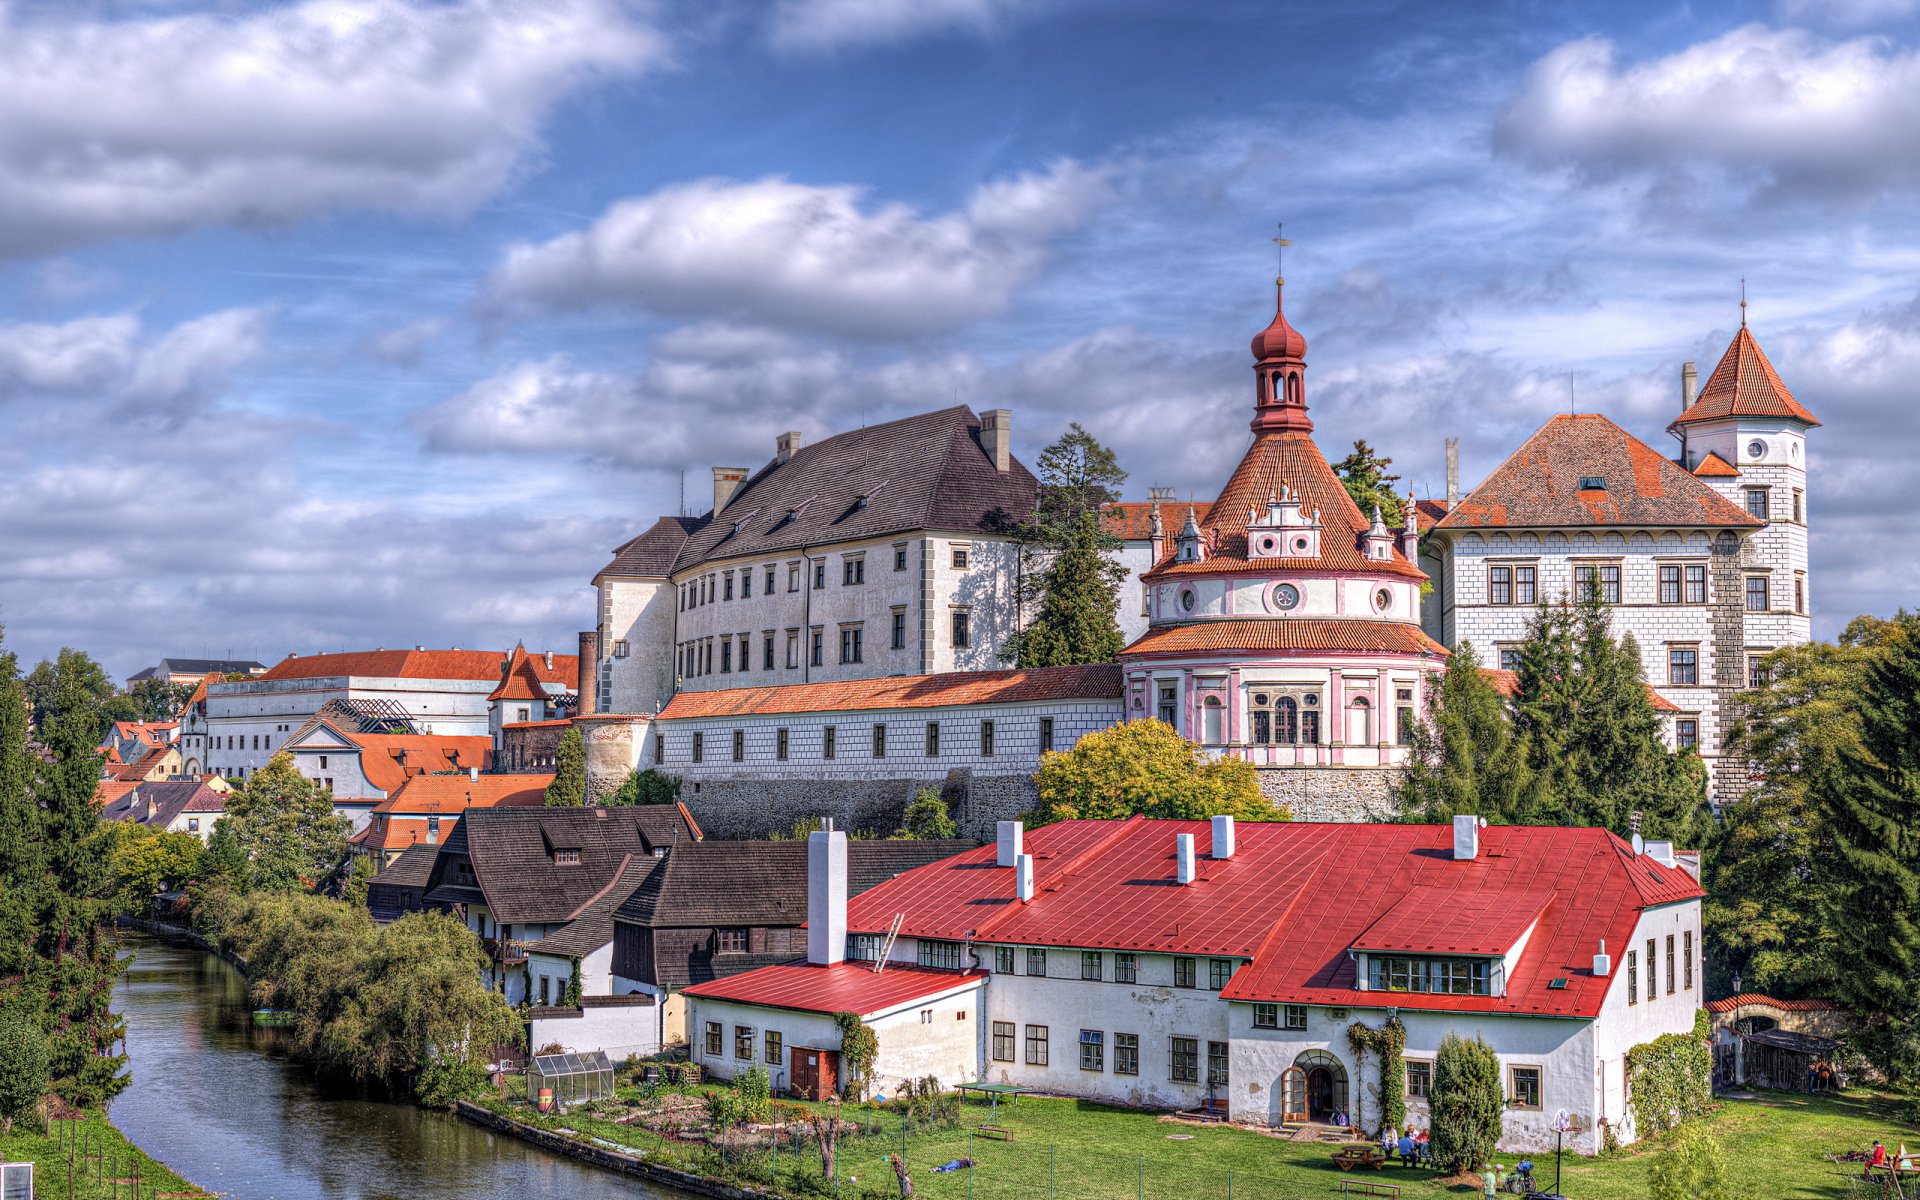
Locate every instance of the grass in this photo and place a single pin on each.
(1074, 1150)
(106, 1177)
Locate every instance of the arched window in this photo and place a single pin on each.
(1360, 722)
(1274, 392)
(1212, 725)
(1293, 388)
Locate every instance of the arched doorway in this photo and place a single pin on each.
(1325, 1084)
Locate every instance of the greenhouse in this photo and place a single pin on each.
(557, 1080)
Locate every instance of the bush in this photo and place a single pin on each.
(445, 1080)
(926, 817)
(1467, 1102)
(755, 1092)
(23, 1069)
(1692, 1166)
(645, 787)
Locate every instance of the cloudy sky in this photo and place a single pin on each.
(355, 323)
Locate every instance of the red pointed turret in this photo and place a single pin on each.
(1280, 373)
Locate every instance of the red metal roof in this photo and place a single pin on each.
(1100, 681)
(842, 987)
(1744, 385)
(1287, 633)
(1438, 919)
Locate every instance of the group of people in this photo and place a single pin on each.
(1823, 1076)
(1412, 1146)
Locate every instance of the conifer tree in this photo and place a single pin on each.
(1467, 758)
(1873, 901)
(569, 786)
(1369, 482)
(1467, 1102)
(1066, 553)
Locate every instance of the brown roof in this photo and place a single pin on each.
(1286, 633)
(1744, 385)
(511, 850)
(1099, 681)
(168, 799)
(591, 926)
(1287, 459)
(1132, 520)
(1713, 466)
(653, 553)
(922, 472)
(1539, 485)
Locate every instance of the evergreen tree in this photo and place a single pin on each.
(1873, 900)
(1146, 767)
(1079, 477)
(282, 824)
(645, 787)
(1467, 1102)
(569, 786)
(1467, 758)
(1070, 571)
(1369, 483)
(926, 817)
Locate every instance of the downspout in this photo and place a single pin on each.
(806, 617)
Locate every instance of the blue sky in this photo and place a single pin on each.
(349, 324)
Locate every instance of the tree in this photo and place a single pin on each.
(73, 684)
(1069, 571)
(645, 787)
(569, 786)
(1873, 899)
(1691, 1166)
(1367, 480)
(1467, 758)
(23, 1068)
(1146, 767)
(1467, 1102)
(283, 825)
(155, 699)
(926, 817)
(1079, 477)
(146, 862)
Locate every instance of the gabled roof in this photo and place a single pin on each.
(1715, 467)
(425, 753)
(168, 799)
(1287, 633)
(1099, 681)
(521, 681)
(392, 664)
(511, 850)
(152, 760)
(591, 925)
(458, 792)
(1744, 385)
(921, 472)
(652, 554)
(1132, 520)
(841, 987)
(410, 869)
(1294, 899)
(1539, 486)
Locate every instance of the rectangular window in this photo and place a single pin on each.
(933, 739)
(1093, 1050)
(715, 1036)
(743, 1042)
(1799, 595)
(1670, 971)
(1446, 976)
(726, 656)
(1509, 657)
(726, 591)
(1217, 1064)
(962, 629)
(1757, 503)
(899, 629)
(828, 736)
(986, 739)
(1036, 1045)
(863, 947)
(766, 651)
(1758, 676)
(819, 573)
(1523, 1087)
(1606, 575)
(961, 557)
(1295, 1016)
(945, 955)
(1799, 511)
(739, 745)
(1219, 971)
(900, 556)
(1003, 959)
(1683, 666)
(1126, 1054)
(853, 571)
(780, 744)
(1186, 972)
(1036, 961)
(851, 650)
(1686, 733)
(818, 654)
(1525, 588)
(776, 1048)
(1126, 968)
(769, 588)
(1003, 1041)
(1500, 585)
(699, 745)
(1653, 973)
(1184, 1066)
(1046, 734)
(1757, 593)
(1090, 965)
(1687, 950)
(879, 741)
(793, 649)
(1633, 978)
(1696, 583)
(1670, 583)
(732, 941)
(793, 577)
(1419, 1078)
(1266, 1016)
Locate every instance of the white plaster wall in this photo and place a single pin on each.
(618, 1031)
(641, 613)
(271, 710)
(1623, 1026)
(944, 1045)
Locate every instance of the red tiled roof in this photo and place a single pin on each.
(1744, 385)
(1539, 485)
(1294, 898)
(148, 762)
(1289, 459)
(456, 793)
(108, 790)
(426, 754)
(528, 677)
(1729, 1003)
(1715, 467)
(1100, 681)
(1436, 919)
(842, 987)
(1507, 683)
(1287, 634)
(1132, 520)
(1428, 513)
(392, 664)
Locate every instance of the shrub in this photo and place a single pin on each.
(1671, 1078)
(23, 1069)
(1467, 1103)
(1692, 1166)
(755, 1092)
(445, 1080)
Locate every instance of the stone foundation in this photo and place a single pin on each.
(747, 808)
(1332, 793)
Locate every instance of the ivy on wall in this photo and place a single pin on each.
(859, 1048)
(1389, 1043)
(1670, 1079)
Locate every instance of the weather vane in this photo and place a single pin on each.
(1282, 243)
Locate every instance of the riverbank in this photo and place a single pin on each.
(90, 1158)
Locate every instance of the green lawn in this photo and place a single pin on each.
(92, 1176)
(1079, 1151)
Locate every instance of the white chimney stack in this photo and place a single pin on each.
(996, 437)
(1009, 837)
(726, 481)
(1023, 878)
(1466, 838)
(1222, 838)
(826, 897)
(1689, 386)
(1601, 963)
(1183, 850)
(1661, 852)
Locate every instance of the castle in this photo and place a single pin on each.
(827, 639)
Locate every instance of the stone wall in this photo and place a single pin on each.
(744, 808)
(1331, 793)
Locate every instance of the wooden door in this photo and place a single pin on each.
(816, 1073)
(1293, 1096)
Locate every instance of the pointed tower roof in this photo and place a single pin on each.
(1744, 385)
(521, 680)
(1279, 340)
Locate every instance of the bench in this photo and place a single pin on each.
(1367, 1187)
(995, 1132)
(1358, 1156)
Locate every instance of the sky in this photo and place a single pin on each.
(346, 324)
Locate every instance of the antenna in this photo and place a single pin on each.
(1570, 393)
(683, 491)
(1743, 302)
(1280, 252)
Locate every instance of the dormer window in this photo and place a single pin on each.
(566, 858)
(1438, 976)
(1593, 483)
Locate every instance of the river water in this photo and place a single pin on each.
(215, 1099)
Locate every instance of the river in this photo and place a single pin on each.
(215, 1099)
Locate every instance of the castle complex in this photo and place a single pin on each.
(827, 640)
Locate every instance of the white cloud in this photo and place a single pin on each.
(1781, 109)
(118, 362)
(403, 345)
(811, 257)
(159, 124)
(820, 25)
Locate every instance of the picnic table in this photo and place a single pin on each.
(1360, 1156)
(993, 1091)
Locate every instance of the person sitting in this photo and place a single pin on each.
(1877, 1159)
(1423, 1145)
(1407, 1152)
(1387, 1144)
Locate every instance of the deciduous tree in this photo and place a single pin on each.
(283, 825)
(1145, 767)
(645, 787)
(926, 817)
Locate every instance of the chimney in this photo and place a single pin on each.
(1689, 385)
(1009, 838)
(473, 774)
(433, 830)
(587, 683)
(1023, 878)
(785, 445)
(548, 658)
(1466, 838)
(726, 481)
(1222, 838)
(826, 897)
(1183, 853)
(996, 437)
(1602, 965)
(1453, 472)
(1661, 852)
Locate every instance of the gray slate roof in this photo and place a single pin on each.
(169, 799)
(197, 666)
(762, 883)
(653, 552)
(511, 850)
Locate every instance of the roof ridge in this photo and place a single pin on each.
(611, 882)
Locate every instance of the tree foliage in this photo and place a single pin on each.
(569, 786)
(282, 825)
(1369, 482)
(1079, 477)
(643, 787)
(926, 817)
(1145, 767)
(155, 699)
(1467, 1102)
(1467, 758)
(1670, 1079)
(146, 862)
(1069, 571)
(23, 1068)
(859, 1050)
(72, 684)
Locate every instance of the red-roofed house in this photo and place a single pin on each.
(363, 769)
(1180, 963)
(424, 807)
